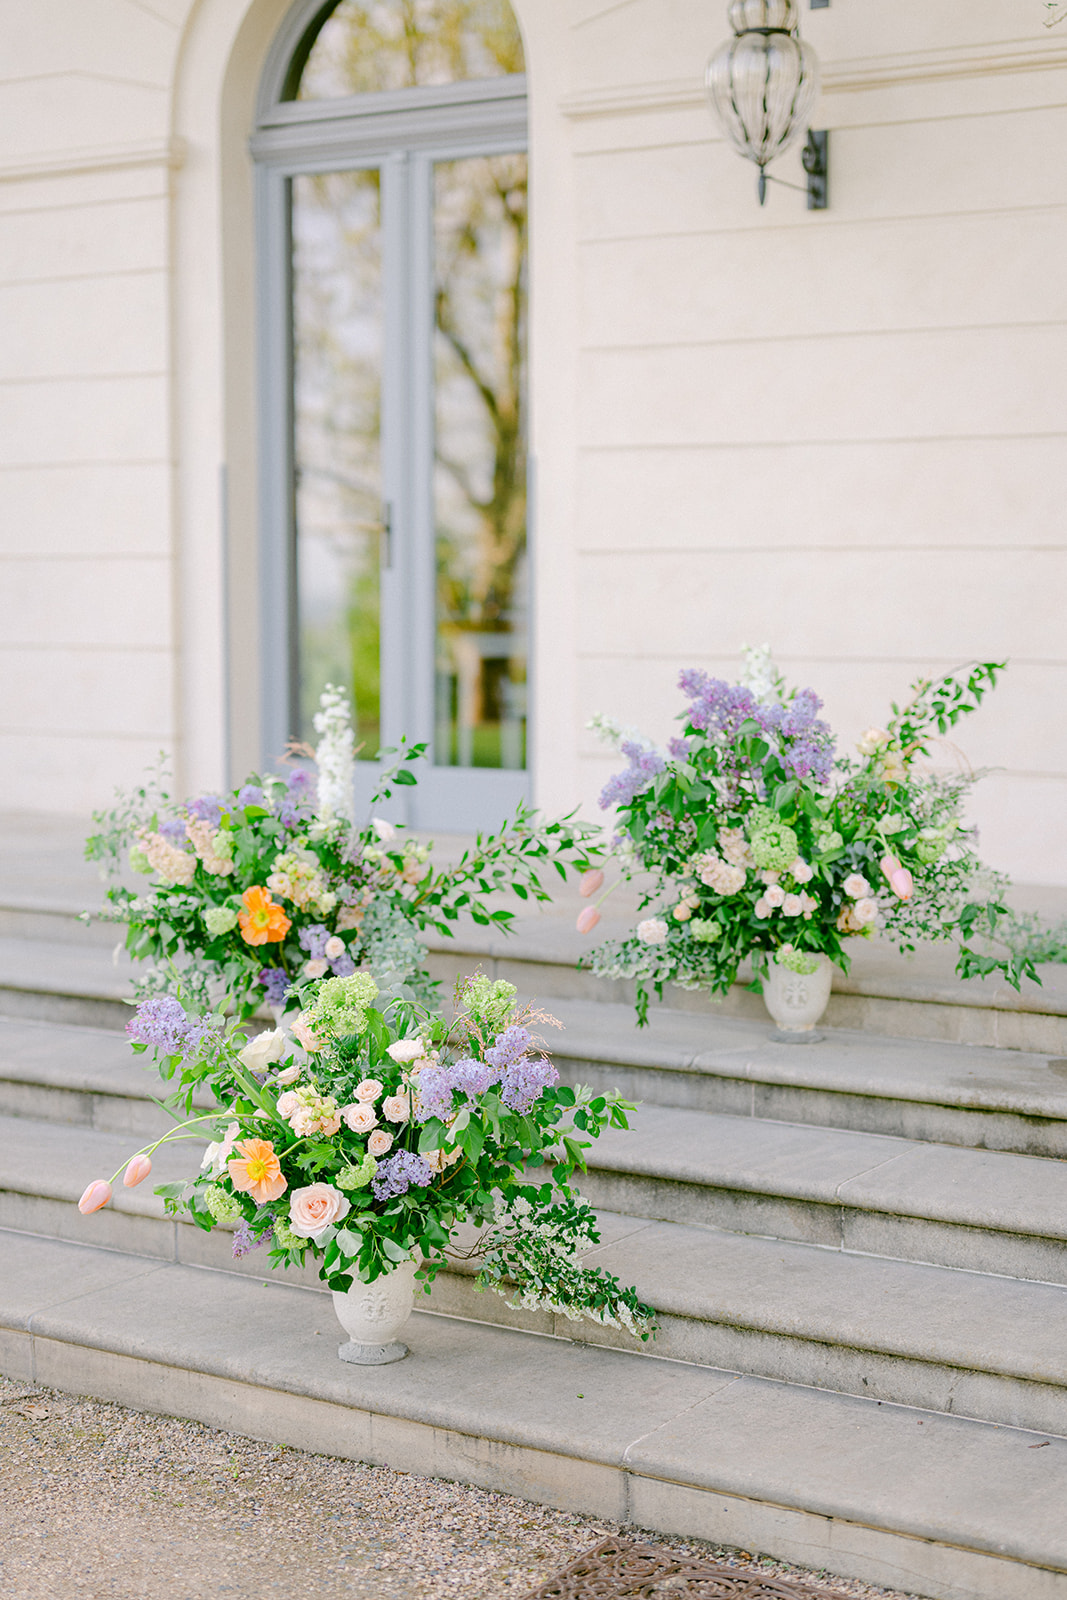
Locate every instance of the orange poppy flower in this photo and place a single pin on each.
(259, 1173)
(262, 922)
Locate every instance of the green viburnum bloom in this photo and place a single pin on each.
(219, 920)
(489, 1002)
(704, 930)
(797, 961)
(221, 1204)
(357, 1177)
(340, 1007)
(284, 1237)
(139, 862)
(775, 847)
(222, 844)
(827, 838)
(932, 844)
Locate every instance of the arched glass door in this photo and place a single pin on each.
(393, 213)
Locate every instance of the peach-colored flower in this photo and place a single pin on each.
(137, 1171)
(262, 922)
(288, 1103)
(289, 1074)
(96, 1195)
(590, 882)
(588, 918)
(369, 1090)
(438, 1160)
(359, 1117)
(318, 968)
(397, 1107)
(380, 1143)
(316, 1208)
(259, 1171)
(304, 1036)
(311, 1119)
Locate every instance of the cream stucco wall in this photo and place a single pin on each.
(842, 432)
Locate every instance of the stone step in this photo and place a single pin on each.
(56, 968)
(973, 1344)
(942, 1506)
(949, 1093)
(983, 1210)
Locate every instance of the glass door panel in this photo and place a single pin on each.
(338, 326)
(479, 467)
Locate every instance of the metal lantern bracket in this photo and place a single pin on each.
(815, 159)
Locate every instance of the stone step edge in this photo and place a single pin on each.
(654, 1495)
(193, 1247)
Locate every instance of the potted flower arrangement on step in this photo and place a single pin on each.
(276, 882)
(763, 845)
(366, 1139)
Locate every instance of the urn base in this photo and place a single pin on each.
(372, 1355)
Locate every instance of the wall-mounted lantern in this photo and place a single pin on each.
(762, 84)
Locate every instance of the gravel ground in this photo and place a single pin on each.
(104, 1503)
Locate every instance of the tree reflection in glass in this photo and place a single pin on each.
(480, 460)
(337, 359)
(370, 45)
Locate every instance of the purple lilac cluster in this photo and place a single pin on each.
(435, 1092)
(160, 1021)
(473, 1078)
(173, 830)
(250, 795)
(299, 799)
(679, 749)
(644, 765)
(396, 1175)
(245, 1241)
(275, 981)
(314, 940)
(208, 808)
(806, 743)
(522, 1080)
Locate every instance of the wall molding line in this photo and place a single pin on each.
(169, 153)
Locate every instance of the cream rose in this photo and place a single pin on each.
(316, 1208)
(396, 1108)
(800, 872)
(369, 1090)
(864, 911)
(792, 905)
(774, 894)
(289, 1075)
(360, 1118)
(380, 1143)
(264, 1050)
(305, 1038)
(856, 886)
(653, 930)
(317, 968)
(406, 1050)
(288, 1103)
(872, 741)
(333, 948)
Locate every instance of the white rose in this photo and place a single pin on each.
(360, 1118)
(264, 1050)
(406, 1050)
(383, 830)
(316, 1208)
(652, 931)
(768, 875)
(856, 886)
(369, 1090)
(774, 895)
(289, 1075)
(396, 1108)
(763, 907)
(800, 872)
(792, 905)
(316, 969)
(334, 947)
(872, 741)
(864, 911)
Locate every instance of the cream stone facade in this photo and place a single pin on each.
(842, 432)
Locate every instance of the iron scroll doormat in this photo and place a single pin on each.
(618, 1569)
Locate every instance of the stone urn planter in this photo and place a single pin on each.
(372, 1314)
(797, 1000)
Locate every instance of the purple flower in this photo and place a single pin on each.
(276, 982)
(395, 1175)
(526, 1081)
(301, 783)
(509, 1047)
(207, 809)
(204, 1035)
(644, 765)
(244, 1241)
(679, 749)
(173, 828)
(160, 1021)
(314, 940)
(343, 966)
(250, 795)
(435, 1093)
(473, 1078)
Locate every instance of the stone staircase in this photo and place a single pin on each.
(857, 1249)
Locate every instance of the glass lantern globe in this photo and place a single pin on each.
(762, 82)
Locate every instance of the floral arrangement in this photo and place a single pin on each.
(368, 1134)
(275, 883)
(761, 841)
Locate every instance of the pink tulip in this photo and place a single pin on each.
(587, 919)
(98, 1194)
(902, 883)
(590, 882)
(137, 1171)
(889, 865)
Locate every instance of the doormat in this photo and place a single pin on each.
(619, 1569)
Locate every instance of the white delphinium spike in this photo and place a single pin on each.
(760, 673)
(334, 756)
(609, 731)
